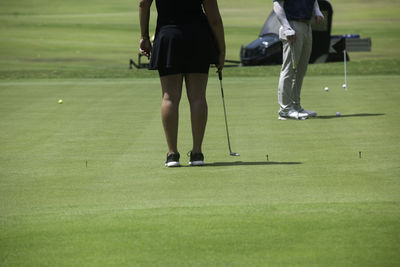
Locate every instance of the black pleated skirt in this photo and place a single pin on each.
(183, 47)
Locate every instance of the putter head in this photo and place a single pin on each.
(234, 154)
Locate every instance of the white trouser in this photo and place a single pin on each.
(289, 89)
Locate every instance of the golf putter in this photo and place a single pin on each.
(226, 121)
(345, 70)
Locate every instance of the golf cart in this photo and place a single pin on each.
(267, 48)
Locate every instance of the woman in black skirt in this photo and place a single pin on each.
(189, 37)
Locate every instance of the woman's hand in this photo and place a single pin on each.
(145, 47)
(221, 62)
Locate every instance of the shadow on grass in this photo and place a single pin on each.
(350, 115)
(249, 163)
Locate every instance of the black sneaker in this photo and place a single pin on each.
(172, 160)
(196, 159)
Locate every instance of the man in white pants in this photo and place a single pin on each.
(296, 36)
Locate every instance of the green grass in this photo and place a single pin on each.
(83, 183)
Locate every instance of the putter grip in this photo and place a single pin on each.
(220, 75)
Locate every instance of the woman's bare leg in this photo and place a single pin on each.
(196, 84)
(171, 95)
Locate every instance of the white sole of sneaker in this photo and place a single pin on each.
(196, 163)
(172, 164)
(288, 118)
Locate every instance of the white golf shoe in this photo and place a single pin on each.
(293, 115)
(310, 113)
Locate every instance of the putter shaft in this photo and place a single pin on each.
(226, 120)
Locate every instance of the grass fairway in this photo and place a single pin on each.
(83, 184)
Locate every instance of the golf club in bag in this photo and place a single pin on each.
(226, 121)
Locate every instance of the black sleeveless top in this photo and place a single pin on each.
(183, 37)
(178, 12)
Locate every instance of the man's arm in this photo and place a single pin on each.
(318, 14)
(280, 13)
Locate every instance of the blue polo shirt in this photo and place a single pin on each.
(298, 9)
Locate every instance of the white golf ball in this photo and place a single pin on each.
(337, 114)
(326, 88)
